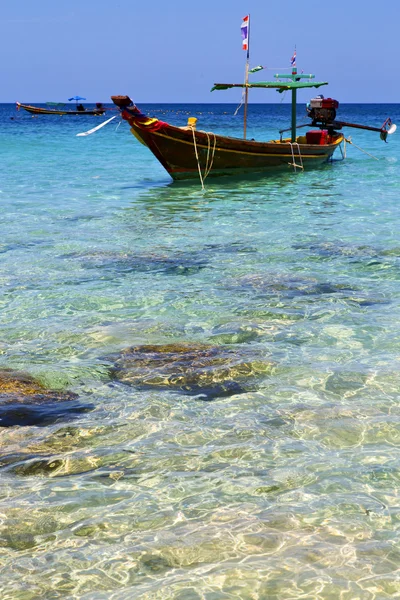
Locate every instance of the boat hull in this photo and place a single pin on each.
(36, 110)
(220, 156)
(187, 153)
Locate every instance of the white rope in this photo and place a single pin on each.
(95, 128)
(209, 161)
(293, 164)
(348, 140)
(240, 105)
(243, 95)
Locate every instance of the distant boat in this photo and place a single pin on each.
(189, 153)
(78, 110)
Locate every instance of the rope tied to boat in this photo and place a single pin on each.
(209, 160)
(343, 150)
(294, 164)
(349, 141)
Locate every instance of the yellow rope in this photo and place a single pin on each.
(348, 140)
(209, 162)
(197, 158)
(293, 164)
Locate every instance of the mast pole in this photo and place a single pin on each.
(246, 80)
(294, 106)
(294, 95)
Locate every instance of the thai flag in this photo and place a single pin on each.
(293, 59)
(245, 32)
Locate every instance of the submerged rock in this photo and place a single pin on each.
(238, 332)
(54, 466)
(121, 263)
(38, 466)
(326, 249)
(24, 401)
(18, 541)
(288, 286)
(208, 370)
(232, 248)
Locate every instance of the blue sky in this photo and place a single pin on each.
(173, 51)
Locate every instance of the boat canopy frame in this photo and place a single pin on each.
(293, 84)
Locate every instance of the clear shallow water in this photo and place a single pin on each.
(289, 490)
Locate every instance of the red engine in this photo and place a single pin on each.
(322, 110)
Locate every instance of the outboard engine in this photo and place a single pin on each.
(322, 110)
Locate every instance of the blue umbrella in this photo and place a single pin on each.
(76, 98)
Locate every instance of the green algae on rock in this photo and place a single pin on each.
(202, 369)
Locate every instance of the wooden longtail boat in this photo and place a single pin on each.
(36, 110)
(187, 153)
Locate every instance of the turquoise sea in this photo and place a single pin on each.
(283, 485)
